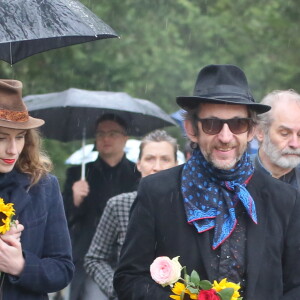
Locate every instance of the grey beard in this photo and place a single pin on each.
(277, 157)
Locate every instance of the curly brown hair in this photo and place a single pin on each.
(33, 160)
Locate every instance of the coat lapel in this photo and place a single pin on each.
(205, 252)
(255, 238)
(20, 202)
(18, 191)
(202, 240)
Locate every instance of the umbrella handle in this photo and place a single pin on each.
(83, 170)
(83, 155)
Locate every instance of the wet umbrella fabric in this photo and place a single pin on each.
(30, 27)
(71, 114)
(178, 117)
(68, 113)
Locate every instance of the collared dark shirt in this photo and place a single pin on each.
(228, 260)
(292, 178)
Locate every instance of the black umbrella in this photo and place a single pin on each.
(71, 114)
(28, 27)
(68, 112)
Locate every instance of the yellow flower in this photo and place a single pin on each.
(180, 288)
(6, 213)
(223, 284)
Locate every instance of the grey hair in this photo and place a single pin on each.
(266, 119)
(159, 136)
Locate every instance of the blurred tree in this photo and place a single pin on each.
(162, 46)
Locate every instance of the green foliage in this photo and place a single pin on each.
(162, 46)
(195, 284)
(195, 279)
(226, 294)
(205, 285)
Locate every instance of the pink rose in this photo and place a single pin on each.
(165, 271)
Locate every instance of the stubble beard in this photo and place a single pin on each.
(225, 165)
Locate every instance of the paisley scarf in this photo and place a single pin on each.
(211, 194)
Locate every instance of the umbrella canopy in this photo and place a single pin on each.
(178, 117)
(71, 114)
(30, 27)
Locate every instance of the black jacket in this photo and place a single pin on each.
(293, 177)
(158, 227)
(105, 182)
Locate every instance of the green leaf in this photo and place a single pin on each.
(195, 278)
(205, 285)
(187, 278)
(226, 294)
(184, 270)
(193, 290)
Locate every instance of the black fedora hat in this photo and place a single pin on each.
(221, 84)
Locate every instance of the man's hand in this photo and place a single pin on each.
(80, 190)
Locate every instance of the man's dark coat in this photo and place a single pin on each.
(158, 227)
(104, 182)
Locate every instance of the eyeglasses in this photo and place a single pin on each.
(213, 126)
(110, 134)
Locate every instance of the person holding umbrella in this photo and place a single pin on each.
(35, 255)
(111, 174)
(158, 151)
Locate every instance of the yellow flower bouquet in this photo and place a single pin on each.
(166, 271)
(6, 213)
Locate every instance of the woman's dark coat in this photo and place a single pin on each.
(45, 239)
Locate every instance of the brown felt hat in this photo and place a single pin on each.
(13, 112)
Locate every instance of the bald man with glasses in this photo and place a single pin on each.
(220, 216)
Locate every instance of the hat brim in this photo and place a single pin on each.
(30, 124)
(191, 102)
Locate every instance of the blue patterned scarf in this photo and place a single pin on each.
(211, 194)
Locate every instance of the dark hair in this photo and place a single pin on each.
(114, 118)
(159, 136)
(192, 116)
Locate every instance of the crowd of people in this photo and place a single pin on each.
(225, 212)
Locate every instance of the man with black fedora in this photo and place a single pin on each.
(220, 216)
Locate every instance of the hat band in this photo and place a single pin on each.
(224, 90)
(14, 116)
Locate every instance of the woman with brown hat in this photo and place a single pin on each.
(35, 255)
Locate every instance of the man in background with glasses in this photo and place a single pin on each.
(220, 216)
(111, 174)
